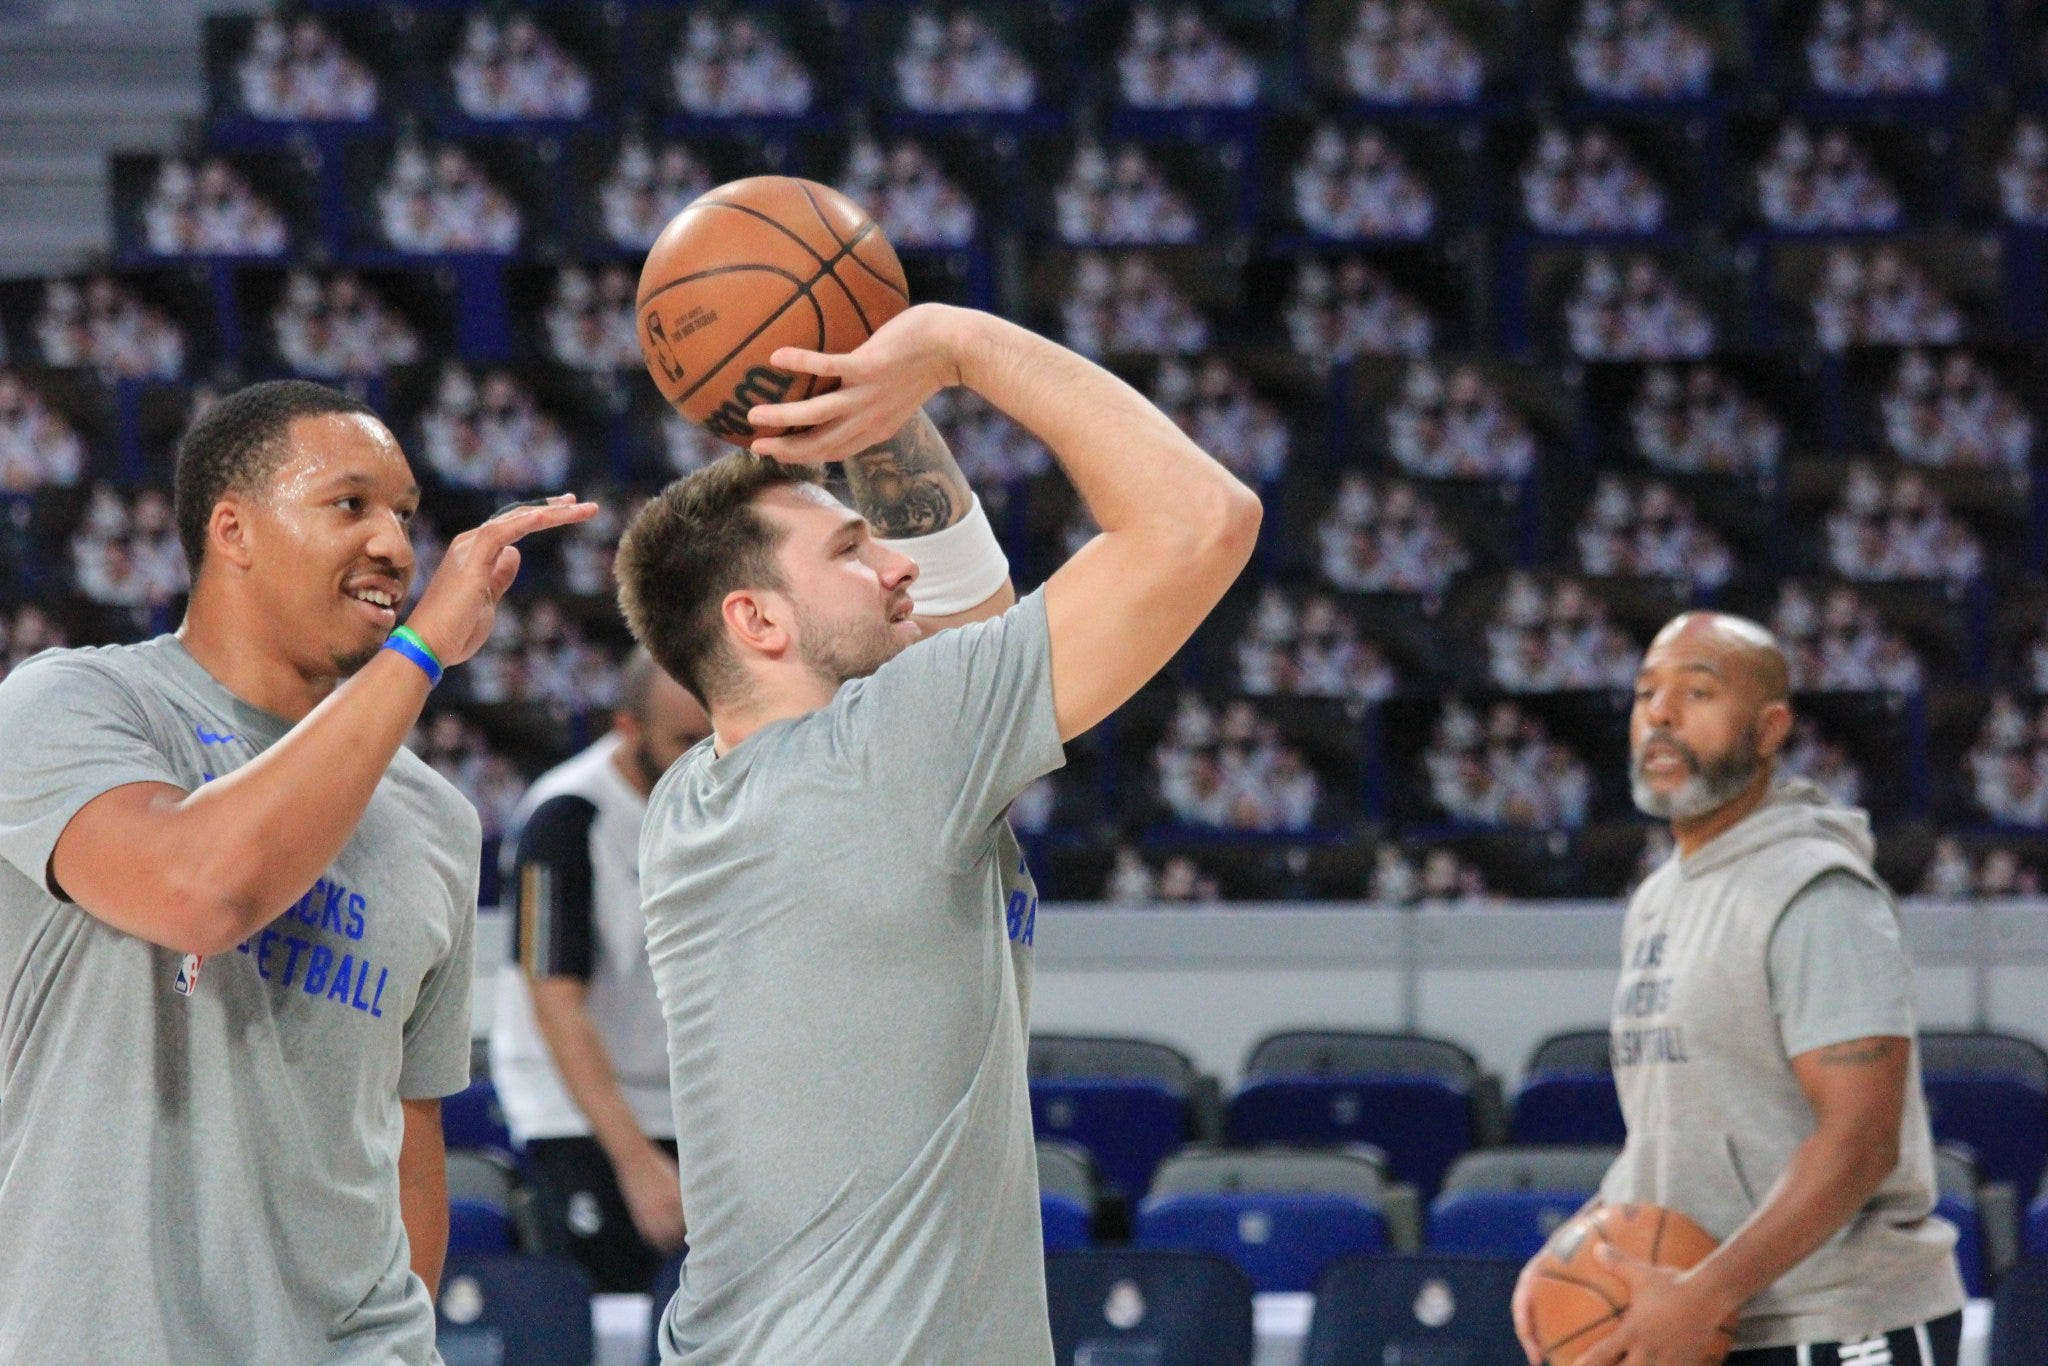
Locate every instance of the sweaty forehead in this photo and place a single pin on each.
(335, 448)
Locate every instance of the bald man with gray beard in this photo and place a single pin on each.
(1764, 1047)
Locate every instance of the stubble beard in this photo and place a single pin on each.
(839, 651)
(1711, 786)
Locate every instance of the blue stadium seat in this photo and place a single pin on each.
(1414, 1309)
(2019, 1315)
(1476, 1223)
(1282, 1241)
(478, 1228)
(1568, 1107)
(1128, 1124)
(472, 1118)
(1148, 1308)
(514, 1311)
(1065, 1221)
(1421, 1123)
(2003, 1119)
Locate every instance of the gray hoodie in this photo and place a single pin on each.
(1713, 1109)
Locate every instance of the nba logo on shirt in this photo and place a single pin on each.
(187, 980)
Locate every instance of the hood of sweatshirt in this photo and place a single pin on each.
(1795, 809)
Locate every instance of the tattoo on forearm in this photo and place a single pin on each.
(909, 485)
(1857, 1053)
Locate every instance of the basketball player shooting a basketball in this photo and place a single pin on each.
(839, 918)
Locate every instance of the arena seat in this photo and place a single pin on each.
(1990, 1091)
(1148, 1307)
(1282, 1242)
(1414, 1309)
(1422, 1101)
(1356, 1171)
(1506, 1202)
(514, 1311)
(1127, 1101)
(472, 1118)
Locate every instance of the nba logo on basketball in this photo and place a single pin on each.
(187, 980)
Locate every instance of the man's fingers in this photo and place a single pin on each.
(804, 412)
(807, 362)
(1607, 1352)
(818, 446)
(510, 524)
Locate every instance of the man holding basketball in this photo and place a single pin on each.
(839, 918)
(1765, 1048)
(236, 923)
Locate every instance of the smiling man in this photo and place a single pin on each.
(236, 922)
(1764, 1047)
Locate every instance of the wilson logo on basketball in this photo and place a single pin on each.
(761, 384)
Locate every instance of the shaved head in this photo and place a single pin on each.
(1751, 654)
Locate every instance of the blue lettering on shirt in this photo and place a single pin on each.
(1022, 917)
(208, 737)
(342, 979)
(317, 969)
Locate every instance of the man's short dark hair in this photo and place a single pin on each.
(238, 444)
(696, 541)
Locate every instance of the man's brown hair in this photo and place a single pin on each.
(696, 541)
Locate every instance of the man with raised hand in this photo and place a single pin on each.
(236, 922)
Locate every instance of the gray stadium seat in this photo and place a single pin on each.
(1360, 1052)
(1573, 1050)
(1066, 1169)
(1981, 1053)
(1531, 1169)
(1357, 1171)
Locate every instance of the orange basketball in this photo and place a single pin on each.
(754, 265)
(1575, 1298)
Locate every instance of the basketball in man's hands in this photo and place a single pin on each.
(1575, 1299)
(754, 265)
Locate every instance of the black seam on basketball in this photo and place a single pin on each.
(782, 228)
(860, 312)
(1569, 1279)
(1550, 1347)
(823, 221)
(885, 281)
(1657, 1238)
(718, 368)
(803, 291)
(641, 304)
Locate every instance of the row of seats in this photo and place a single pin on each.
(1138, 1307)
(1346, 1142)
(1284, 1215)
(1424, 1101)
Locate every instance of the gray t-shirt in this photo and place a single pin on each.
(205, 1169)
(840, 923)
(1838, 967)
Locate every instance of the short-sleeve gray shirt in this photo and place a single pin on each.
(1838, 966)
(204, 1170)
(840, 923)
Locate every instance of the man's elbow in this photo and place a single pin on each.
(1227, 530)
(1870, 1154)
(211, 911)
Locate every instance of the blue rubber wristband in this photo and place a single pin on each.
(406, 641)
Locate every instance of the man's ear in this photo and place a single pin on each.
(230, 533)
(756, 621)
(1773, 728)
